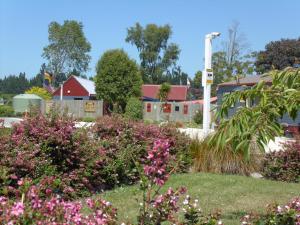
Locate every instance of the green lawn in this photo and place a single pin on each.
(233, 195)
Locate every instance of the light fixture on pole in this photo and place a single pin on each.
(207, 80)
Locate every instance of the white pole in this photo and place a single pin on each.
(207, 79)
(61, 92)
(206, 91)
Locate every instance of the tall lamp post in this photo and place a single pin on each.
(207, 80)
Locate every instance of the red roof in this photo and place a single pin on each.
(177, 92)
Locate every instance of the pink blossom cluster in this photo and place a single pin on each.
(157, 160)
(31, 209)
(277, 214)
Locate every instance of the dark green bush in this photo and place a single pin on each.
(134, 109)
(198, 117)
(6, 111)
(284, 165)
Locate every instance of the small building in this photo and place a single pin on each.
(177, 93)
(76, 88)
(25, 102)
(291, 125)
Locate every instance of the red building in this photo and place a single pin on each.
(76, 88)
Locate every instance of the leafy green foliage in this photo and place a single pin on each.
(279, 55)
(117, 78)
(164, 91)
(6, 110)
(260, 122)
(134, 109)
(43, 93)
(284, 165)
(198, 117)
(156, 54)
(68, 48)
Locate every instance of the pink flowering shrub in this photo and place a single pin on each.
(30, 208)
(288, 214)
(284, 165)
(157, 207)
(40, 146)
(125, 144)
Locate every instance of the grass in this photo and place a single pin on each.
(233, 195)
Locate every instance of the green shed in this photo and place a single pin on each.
(23, 102)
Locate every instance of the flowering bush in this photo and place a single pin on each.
(41, 146)
(277, 215)
(125, 143)
(284, 165)
(158, 208)
(30, 208)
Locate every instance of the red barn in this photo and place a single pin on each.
(177, 93)
(76, 88)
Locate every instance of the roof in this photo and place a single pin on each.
(27, 96)
(177, 92)
(249, 80)
(88, 85)
(201, 101)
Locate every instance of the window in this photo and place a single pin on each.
(185, 109)
(78, 98)
(176, 108)
(148, 107)
(167, 108)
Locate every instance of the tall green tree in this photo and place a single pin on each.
(118, 78)
(279, 55)
(157, 56)
(68, 48)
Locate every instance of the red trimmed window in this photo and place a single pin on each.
(167, 108)
(148, 107)
(185, 109)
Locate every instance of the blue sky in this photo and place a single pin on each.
(24, 26)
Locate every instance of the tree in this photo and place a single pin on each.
(134, 109)
(39, 78)
(117, 78)
(13, 84)
(279, 55)
(156, 54)
(68, 48)
(43, 93)
(232, 61)
(260, 122)
(164, 91)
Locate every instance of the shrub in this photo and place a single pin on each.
(211, 159)
(39, 205)
(124, 144)
(277, 215)
(6, 111)
(134, 109)
(40, 146)
(198, 117)
(284, 165)
(41, 92)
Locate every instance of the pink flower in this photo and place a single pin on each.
(17, 209)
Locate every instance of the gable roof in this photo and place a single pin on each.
(177, 92)
(88, 85)
(249, 80)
